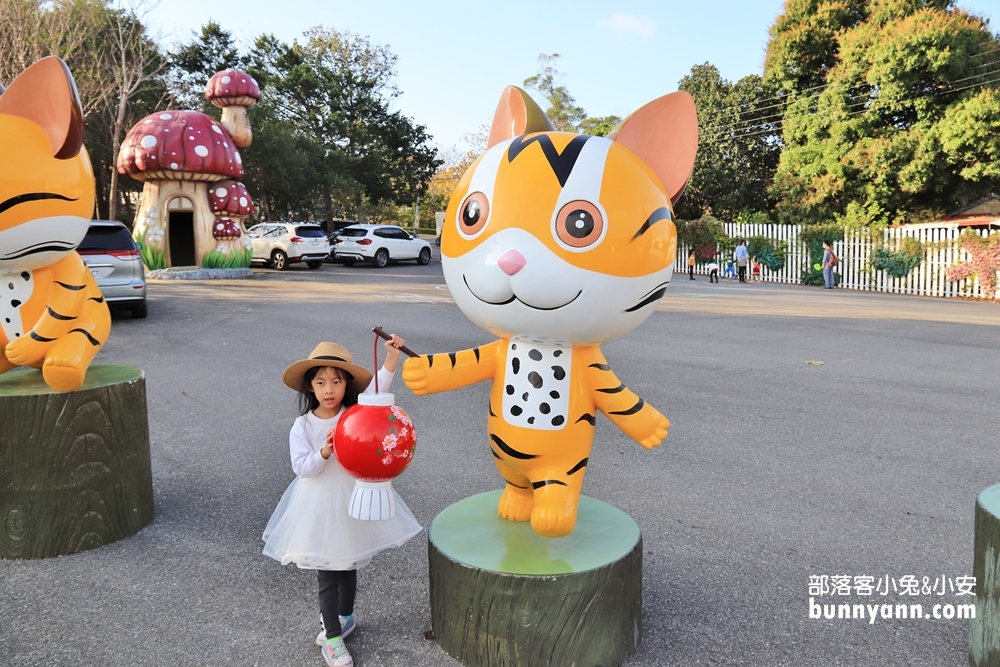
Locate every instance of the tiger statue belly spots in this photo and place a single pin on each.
(52, 313)
(557, 242)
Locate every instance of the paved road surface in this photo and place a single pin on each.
(775, 470)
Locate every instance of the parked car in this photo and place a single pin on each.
(282, 243)
(379, 244)
(113, 258)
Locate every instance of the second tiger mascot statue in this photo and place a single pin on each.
(557, 242)
(52, 313)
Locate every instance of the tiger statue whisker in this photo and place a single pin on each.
(557, 242)
(52, 313)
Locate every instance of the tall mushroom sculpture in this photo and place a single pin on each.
(234, 92)
(179, 156)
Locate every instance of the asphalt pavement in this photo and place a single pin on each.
(778, 470)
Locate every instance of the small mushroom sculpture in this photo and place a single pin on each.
(234, 91)
(225, 229)
(179, 156)
(230, 202)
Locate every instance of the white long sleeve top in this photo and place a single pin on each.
(308, 434)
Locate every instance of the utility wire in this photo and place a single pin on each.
(777, 125)
(751, 123)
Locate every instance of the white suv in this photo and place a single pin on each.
(379, 244)
(282, 243)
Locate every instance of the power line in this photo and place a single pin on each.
(865, 96)
(778, 125)
(752, 123)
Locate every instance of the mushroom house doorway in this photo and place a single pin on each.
(181, 232)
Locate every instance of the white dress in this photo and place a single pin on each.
(311, 526)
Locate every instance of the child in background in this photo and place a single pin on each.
(713, 272)
(755, 271)
(311, 526)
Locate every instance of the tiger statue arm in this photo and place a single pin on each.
(636, 418)
(70, 279)
(431, 373)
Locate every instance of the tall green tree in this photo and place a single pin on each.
(900, 128)
(339, 88)
(562, 109)
(738, 145)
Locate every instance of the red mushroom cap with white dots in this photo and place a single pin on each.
(230, 198)
(224, 229)
(179, 145)
(232, 87)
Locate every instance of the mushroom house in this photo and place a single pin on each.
(192, 206)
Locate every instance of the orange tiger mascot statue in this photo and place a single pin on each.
(52, 314)
(557, 242)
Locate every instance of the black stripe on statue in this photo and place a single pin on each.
(546, 482)
(561, 163)
(582, 464)
(631, 411)
(510, 451)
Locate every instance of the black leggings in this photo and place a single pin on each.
(337, 589)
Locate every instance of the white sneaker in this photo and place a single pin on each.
(336, 654)
(347, 626)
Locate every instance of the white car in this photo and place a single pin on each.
(282, 243)
(379, 244)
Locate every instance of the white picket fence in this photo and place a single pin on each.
(941, 250)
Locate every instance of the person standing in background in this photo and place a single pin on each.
(691, 264)
(829, 261)
(741, 256)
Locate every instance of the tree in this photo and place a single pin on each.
(114, 62)
(194, 63)
(338, 87)
(738, 145)
(880, 142)
(599, 127)
(562, 111)
(134, 63)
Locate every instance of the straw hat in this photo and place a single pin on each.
(326, 354)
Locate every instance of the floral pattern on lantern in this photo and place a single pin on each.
(374, 442)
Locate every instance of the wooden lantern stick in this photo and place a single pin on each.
(383, 335)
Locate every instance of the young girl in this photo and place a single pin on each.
(311, 526)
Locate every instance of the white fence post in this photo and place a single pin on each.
(941, 250)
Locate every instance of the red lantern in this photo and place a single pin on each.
(374, 442)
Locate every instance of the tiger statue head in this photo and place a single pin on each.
(47, 183)
(563, 238)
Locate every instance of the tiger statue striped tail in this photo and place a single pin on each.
(557, 242)
(52, 314)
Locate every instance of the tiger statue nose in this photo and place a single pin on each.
(512, 262)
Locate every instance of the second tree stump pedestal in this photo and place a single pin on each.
(984, 630)
(74, 466)
(502, 595)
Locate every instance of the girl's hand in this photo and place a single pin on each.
(327, 451)
(392, 352)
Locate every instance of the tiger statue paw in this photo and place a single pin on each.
(555, 511)
(516, 504)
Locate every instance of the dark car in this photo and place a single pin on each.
(113, 258)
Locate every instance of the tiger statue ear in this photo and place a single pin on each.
(46, 95)
(664, 134)
(517, 114)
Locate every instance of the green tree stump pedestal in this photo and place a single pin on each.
(74, 467)
(984, 631)
(503, 596)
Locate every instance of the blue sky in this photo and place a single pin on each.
(456, 57)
